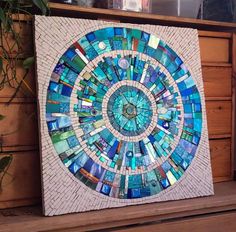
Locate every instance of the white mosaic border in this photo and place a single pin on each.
(62, 192)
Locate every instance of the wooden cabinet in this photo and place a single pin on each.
(218, 49)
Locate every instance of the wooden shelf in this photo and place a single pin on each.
(64, 10)
(30, 219)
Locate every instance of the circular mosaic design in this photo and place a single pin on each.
(123, 113)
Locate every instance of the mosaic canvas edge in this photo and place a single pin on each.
(50, 211)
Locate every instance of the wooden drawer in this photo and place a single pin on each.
(19, 128)
(220, 150)
(215, 49)
(217, 81)
(219, 116)
(21, 186)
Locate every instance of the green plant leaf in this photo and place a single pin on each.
(4, 162)
(2, 16)
(42, 5)
(2, 117)
(27, 63)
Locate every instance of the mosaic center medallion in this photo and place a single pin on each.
(129, 110)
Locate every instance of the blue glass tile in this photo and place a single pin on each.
(106, 189)
(88, 165)
(111, 153)
(74, 168)
(59, 67)
(166, 166)
(117, 45)
(165, 183)
(151, 138)
(145, 36)
(197, 108)
(109, 32)
(53, 86)
(150, 51)
(63, 122)
(99, 172)
(134, 193)
(91, 37)
(189, 91)
(66, 90)
(166, 125)
(178, 61)
(52, 108)
(82, 159)
(187, 108)
(109, 176)
(118, 31)
(72, 141)
(70, 54)
(184, 164)
(91, 53)
(189, 82)
(182, 86)
(72, 76)
(145, 192)
(64, 107)
(176, 158)
(84, 43)
(197, 125)
(52, 125)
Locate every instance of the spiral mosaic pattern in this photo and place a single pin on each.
(123, 113)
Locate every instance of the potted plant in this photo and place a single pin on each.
(12, 55)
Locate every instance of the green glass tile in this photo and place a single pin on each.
(61, 146)
(112, 165)
(61, 136)
(102, 159)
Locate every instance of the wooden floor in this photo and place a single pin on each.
(199, 214)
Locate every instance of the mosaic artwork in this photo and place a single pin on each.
(122, 114)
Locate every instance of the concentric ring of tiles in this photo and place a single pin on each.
(99, 158)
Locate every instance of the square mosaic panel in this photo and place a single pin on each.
(122, 114)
